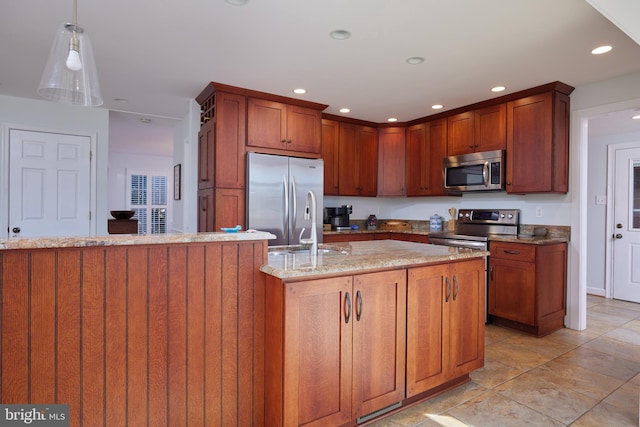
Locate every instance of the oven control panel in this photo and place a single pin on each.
(489, 216)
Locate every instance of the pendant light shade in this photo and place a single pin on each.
(70, 76)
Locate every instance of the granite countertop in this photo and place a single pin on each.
(129, 239)
(363, 257)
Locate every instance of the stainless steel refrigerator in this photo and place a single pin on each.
(277, 194)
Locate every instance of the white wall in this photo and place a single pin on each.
(51, 117)
(185, 215)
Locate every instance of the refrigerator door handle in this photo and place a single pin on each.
(294, 201)
(285, 216)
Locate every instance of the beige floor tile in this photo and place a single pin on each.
(607, 415)
(625, 397)
(618, 349)
(544, 346)
(494, 334)
(492, 409)
(624, 334)
(623, 304)
(514, 356)
(603, 363)
(494, 373)
(555, 401)
(571, 336)
(572, 377)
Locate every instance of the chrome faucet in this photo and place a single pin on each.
(310, 213)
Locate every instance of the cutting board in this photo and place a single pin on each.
(395, 226)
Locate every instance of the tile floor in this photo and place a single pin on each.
(568, 378)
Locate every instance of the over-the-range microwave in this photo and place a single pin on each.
(482, 171)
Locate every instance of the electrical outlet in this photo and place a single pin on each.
(538, 212)
(601, 200)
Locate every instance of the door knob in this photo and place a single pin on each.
(618, 236)
(16, 230)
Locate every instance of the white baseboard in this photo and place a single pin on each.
(596, 291)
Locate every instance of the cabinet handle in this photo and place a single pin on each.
(284, 141)
(491, 273)
(289, 141)
(203, 204)
(347, 308)
(446, 298)
(510, 252)
(455, 292)
(359, 305)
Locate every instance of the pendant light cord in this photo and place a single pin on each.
(75, 12)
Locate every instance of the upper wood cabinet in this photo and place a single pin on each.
(330, 150)
(426, 146)
(391, 161)
(478, 130)
(358, 160)
(278, 126)
(538, 144)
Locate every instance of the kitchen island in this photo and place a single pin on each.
(136, 330)
(367, 328)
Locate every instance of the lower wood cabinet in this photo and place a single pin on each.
(528, 286)
(339, 349)
(445, 323)
(335, 348)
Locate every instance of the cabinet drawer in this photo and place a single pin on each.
(514, 251)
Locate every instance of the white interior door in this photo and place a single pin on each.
(626, 233)
(49, 184)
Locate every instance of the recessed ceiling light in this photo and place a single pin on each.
(300, 91)
(601, 49)
(345, 110)
(237, 2)
(121, 100)
(636, 117)
(392, 119)
(340, 34)
(437, 107)
(145, 120)
(415, 60)
(498, 89)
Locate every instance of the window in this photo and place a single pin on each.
(148, 198)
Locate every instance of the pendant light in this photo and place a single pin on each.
(70, 76)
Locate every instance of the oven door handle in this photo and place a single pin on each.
(458, 243)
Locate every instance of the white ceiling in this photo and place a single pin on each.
(158, 55)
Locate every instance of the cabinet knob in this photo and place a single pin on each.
(284, 141)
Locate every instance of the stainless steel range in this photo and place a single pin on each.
(475, 227)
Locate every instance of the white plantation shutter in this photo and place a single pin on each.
(148, 198)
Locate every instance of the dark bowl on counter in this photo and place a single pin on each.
(123, 214)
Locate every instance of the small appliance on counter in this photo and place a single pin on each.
(338, 217)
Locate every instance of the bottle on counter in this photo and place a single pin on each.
(372, 222)
(435, 223)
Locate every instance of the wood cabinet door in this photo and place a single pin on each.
(426, 336)
(206, 159)
(348, 159)
(367, 161)
(379, 324)
(304, 132)
(266, 124)
(330, 138)
(437, 143)
(391, 161)
(319, 318)
(206, 210)
(461, 134)
(417, 161)
(512, 290)
(490, 128)
(529, 144)
(229, 208)
(466, 317)
(230, 134)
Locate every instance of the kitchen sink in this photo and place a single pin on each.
(298, 249)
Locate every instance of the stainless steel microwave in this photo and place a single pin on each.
(482, 171)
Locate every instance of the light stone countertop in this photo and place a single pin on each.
(364, 256)
(129, 239)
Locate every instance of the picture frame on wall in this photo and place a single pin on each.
(177, 184)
